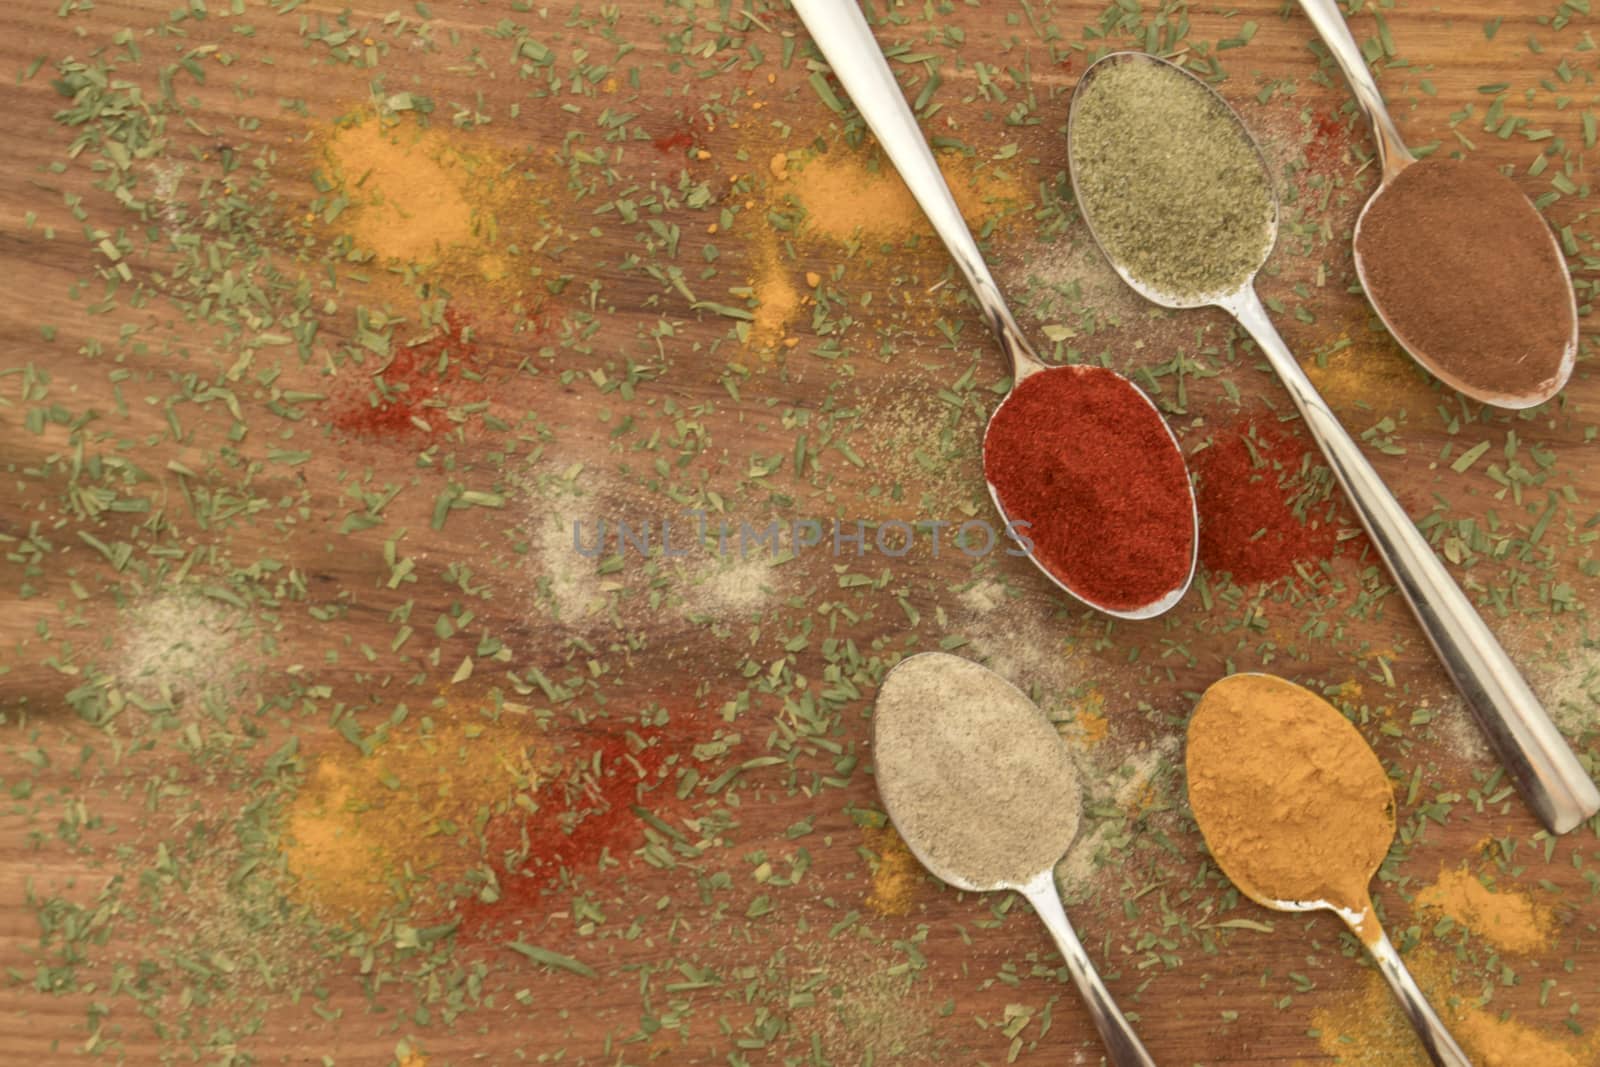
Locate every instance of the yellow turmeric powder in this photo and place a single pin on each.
(1368, 1028)
(843, 197)
(895, 879)
(1507, 918)
(372, 834)
(437, 201)
(1293, 803)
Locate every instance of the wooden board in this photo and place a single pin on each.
(297, 644)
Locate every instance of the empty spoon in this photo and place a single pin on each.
(1511, 371)
(842, 34)
(982, 789)
(1268, 817)
(1532, 750)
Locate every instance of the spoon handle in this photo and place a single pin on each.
(846, 42)
(1393, 155)
(1441, 1047)
(1123, 1047)
(1530, 747)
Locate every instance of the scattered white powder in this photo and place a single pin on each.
(1072, 285)
(983, 596)
(562, 582)
(1120, 781)
(1019, 638)
(975, 778)
(720, 587)
(1456, 729)
(570, 530)
(573, 584)
(1569, 685)
(180, 642)
(164, 191)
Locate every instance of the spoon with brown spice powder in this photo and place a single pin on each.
(1175, 192)
(1299, 814)
(981, 787)
(1457, 262)
(1077, 456)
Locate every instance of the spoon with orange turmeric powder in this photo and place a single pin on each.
(1299, 814)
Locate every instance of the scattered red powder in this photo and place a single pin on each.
(398, 400)
(1079, 453)
(584, 810)
(1330, 141)
(677, 139)
(1248, 480)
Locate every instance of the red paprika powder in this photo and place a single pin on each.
(1080, 455)
(1253, 523)
(419, 379)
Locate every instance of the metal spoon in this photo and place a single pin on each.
(1358, 913)
(841, 33)
(1532, 750)
(1394, 157)
(961, 684)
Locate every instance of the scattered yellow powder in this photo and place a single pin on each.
(1507, 919)
(777, 296)
(1369, 1029)
(842, 195)
(328, 847)
(1147, 799)
(1495, 1042)
(1090, 719)
(408, 191)
(434, 199)
(894, 883)
(1367, 371)
(367, 836)
(1348, 691)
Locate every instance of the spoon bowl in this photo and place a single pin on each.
(993, 751)
(1535, 755)
(1271, 828)
(845, 40)
(1127, 435)
(1395, 160)
(1102, 239)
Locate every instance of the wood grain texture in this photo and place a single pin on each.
(703, 957)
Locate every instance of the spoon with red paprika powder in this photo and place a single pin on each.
(1147, 142)
(1459, 265)
(1079, 461)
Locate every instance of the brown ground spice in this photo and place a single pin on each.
(1465, 271)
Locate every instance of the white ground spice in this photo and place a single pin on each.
(723, 586)
(178, 640)
(973, 775)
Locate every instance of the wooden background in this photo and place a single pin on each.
(761, 914)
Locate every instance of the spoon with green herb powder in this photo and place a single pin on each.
(981, 787)
(1177, 195)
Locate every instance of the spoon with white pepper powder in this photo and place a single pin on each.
(981, 787)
